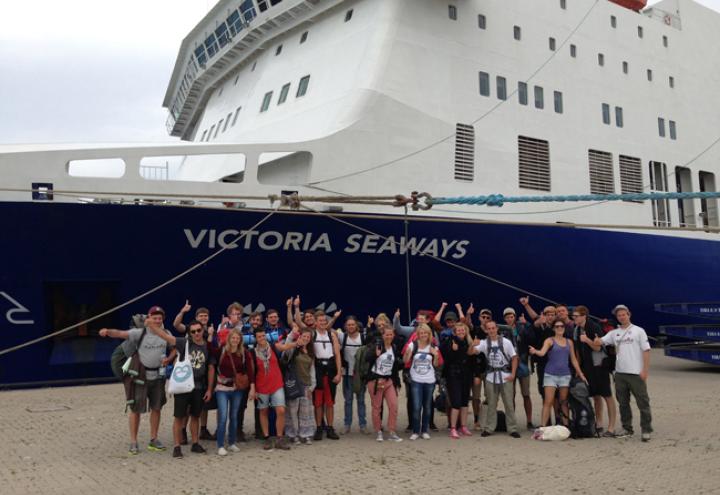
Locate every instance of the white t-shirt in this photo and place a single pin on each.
(630, 343)
(352, 345)
(421, 369)
(384, 363)
(322, 346)
(496, 359)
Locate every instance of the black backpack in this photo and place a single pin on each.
(582, 415)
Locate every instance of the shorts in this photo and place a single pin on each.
(192, 401)
(211, 404)
(276, 399)
(325, 395)
(599, 382)
(556, 381)
(458, 391)
(153, 393)
(477, 387)
(524, 385)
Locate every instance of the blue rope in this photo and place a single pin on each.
(500, 200)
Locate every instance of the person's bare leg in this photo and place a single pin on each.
(178, 426)
(280, 420)
(154, 423)
(598, 403)
(264, 426)
(134, 424)
(612, 413)
(547, 404)
(195, 429)
(564, 405)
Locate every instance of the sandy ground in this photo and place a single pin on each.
(74, 440)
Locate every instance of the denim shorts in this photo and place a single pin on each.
(276, 399)
(556, 381)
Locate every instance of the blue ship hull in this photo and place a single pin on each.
(63, 263)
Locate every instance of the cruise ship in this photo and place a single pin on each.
(342, 105)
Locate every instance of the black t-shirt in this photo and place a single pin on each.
(582, 350)
(199, 359)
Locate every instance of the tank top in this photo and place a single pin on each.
(558, 359)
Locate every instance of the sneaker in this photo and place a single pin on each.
(379, 437)
(222, 452)
(156, 445)
(346, 430)
(478, 427)
(177, 452)
(234, 448)
(623, 434)
(306, 441)
(241, 436)
(318, 435)
(331, 434)
(206, 435)
(608, 434)
(515, 434)
(282, 444)
(425, 436)
(465, 431)
(269, 444)
(134, 449)
(414, 437)
(198, 449)
(296, 440)
(454, 434)
(184, 440)
(393, 437)
(531, 426)
(364, 430)
(645, 437)
(433, 427)
(485, 434)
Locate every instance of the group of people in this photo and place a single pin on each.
(291, 373)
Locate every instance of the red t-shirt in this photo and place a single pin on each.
(271, 381)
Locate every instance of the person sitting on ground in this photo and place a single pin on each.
(384, 380)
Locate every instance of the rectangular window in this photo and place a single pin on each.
(217, 131)
(551, 44)
(558, 98)
(658, 183)
(501, 88)
(606, 113)
(248, 10)
(278, 50)
(303, 86)
(464, 152)
(533, 163)
(222, 34)
(601, 59)
(602, 179)
(630, 175)
(211, 45)
(235, 117)
(227, 121)
(452, 12)
(619, 117)
(649, 74)
(563, 4)
(573, 51)
(348, 15)
(613, 21)
(665, 41)
(517, 33)
(686, 207)
(625, 67)
(522, 93)
(234, 22)
(661, 126)
(673, 129)
(303, 37)
(671, 81)
(640, 31)
(708, 207)
(484, 83)
(482, 22)
(284, 94)
(266, 101)
(200, 55)
(539, 97)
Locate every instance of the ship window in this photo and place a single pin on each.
(522, 93)
(303, 86)
(619, 122)
(248, 10)
(661, 126)
(237, 78)
(266, 101)
(558, 98)
(606, 113)
(200, 55)
(686, 207)
(601, 59)
(671, 81)
(222, 34)
(625, 67)
(501, 88)
(203, 135)
(234, 22)
(573, 51)
(563, 4)
(658, 182)
(539, 97)
(284, 94)
(533, 163)
(551, 44)
(235, 117)
(278, 50)
(110, 168)
(482, 21)
(649, 74)
(348, 15)
(630, 176)
(218, 128)
(708, 207)
(210, 135)
(452, 12)
(262, 5)
(665, 41)
(602, 180)
(484, 84)
(640, 31)
(211, 45)
(517, 33)
(227, 121)
(673, 130)
(303, 37)
(464, 152)
(613, 21)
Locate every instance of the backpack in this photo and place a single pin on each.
(582, 415)
(361, 370)
(343, 345)
(119, 358)
(501, 348)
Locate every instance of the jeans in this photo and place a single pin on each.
(422, 395)
(360, 397)
(228, 405)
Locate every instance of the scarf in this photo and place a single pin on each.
(264, 355)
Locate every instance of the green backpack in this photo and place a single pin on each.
(361, 370)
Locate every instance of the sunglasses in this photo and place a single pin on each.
(193, 332)
(558, 326)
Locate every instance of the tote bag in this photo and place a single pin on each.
(181, 380)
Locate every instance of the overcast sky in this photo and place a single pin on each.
(93, 70)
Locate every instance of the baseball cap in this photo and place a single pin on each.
(156, 310)
(619, 307)
(485, 311)
(450, 315)
(509, 311)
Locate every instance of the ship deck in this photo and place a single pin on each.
(74, 439)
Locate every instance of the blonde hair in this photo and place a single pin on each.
(424, 328)
(467, 332)
(240, 352)
(383, 317)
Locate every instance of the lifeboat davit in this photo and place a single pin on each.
(636, 5)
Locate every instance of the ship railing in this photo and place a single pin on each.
(667, 18)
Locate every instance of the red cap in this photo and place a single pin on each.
(155, 310)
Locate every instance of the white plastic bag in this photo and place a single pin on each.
(551, 433)
(182, 381)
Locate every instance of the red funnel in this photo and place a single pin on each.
(635, 5)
